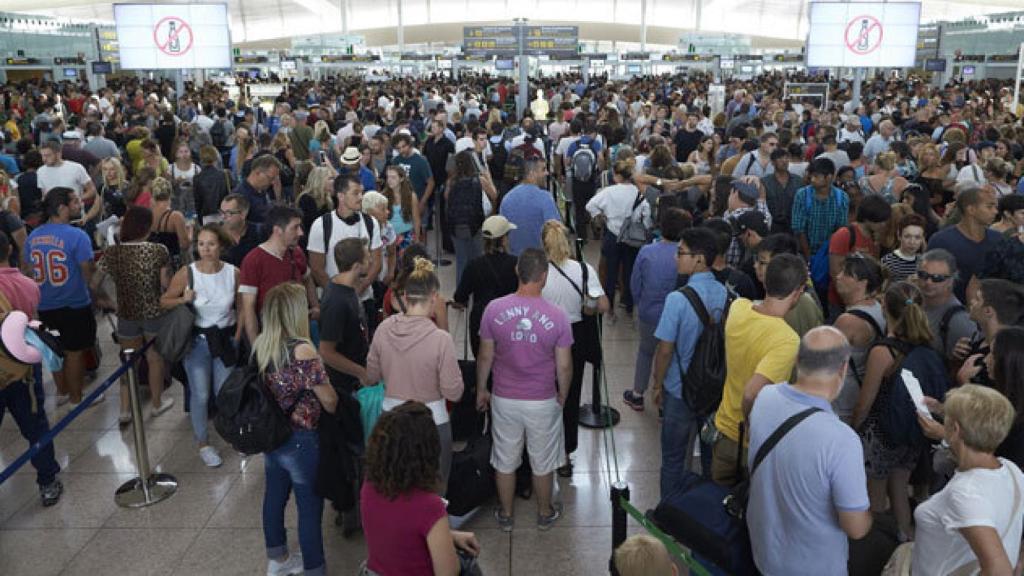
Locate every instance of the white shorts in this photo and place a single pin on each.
(538, 423)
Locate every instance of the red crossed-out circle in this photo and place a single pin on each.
(863, 35)
(181, 28)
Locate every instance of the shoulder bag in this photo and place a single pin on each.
(175, 338)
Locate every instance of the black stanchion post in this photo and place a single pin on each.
(596, 414)
(620, 491)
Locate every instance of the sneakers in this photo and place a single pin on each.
(565, 471)
(290, 565)
(50, 494)
(504, 522)
(164, 407)
(210, 456)
(633, 400)
(545, 523)
(63, 399)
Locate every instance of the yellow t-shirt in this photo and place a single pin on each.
(754, 343)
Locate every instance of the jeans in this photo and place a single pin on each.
(204, 372)
(615, 256)
(678, 430)
(644, 356)
(293, 466)
(466, 250)
(32, 423)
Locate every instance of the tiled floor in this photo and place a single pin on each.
(212, 525)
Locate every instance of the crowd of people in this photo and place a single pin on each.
(837, 248)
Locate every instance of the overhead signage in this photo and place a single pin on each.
(788, 58)
(334, 58)
(503, 41)
(688, 58)
(22, 61)
(69, 60)
(102, 68)
(250, 59)
(173, 36)
(321, 41)
(412, 56)
(863, 34)
(1002, 57)
(970, 58)
(636, 56)
(935, 64)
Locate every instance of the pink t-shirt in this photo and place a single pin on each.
(396, 531)
(526, 332)
(21, 291)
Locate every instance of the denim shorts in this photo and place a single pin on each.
(130, 329)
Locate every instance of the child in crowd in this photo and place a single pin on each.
(644, 555)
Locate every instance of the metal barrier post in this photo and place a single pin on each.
(620, 491)
(147, 488)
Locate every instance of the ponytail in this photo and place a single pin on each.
(904, 306)
(422, 282)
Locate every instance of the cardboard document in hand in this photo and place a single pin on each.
(916, 394)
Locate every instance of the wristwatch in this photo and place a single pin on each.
(657, 182)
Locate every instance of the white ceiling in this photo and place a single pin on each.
(440, 20)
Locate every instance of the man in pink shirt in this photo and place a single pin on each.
(527, 341)
(23, 294)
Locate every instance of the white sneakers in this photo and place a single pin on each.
(210, 456)
(290, 565)
(164, 407)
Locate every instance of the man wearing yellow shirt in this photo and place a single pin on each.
(760, 349)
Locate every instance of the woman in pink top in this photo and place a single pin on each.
(416, 359)
(404, 520)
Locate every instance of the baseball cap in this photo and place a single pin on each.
(71, 135)
(751, 220)
(748, 192)
(496, 226)
(351, 156)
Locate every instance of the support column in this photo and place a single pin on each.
(858, 79)
(524, 70)
(643, 25)
(401, 30)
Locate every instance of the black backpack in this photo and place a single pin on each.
(328, 224)
(218, 134)
(499, 156)
(704, 380)
(465, 206)
(248, 416)
(897, 415)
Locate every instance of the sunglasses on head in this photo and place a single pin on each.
(936, 278)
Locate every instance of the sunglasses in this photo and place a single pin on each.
(936, 278)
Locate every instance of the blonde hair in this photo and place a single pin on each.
(886, 160)
(421, 283)
(321, 131)
(556, 241)
(985, 416)
(285, 319)
(121, 181)
(643, 555)
(161, 189)
(315, 187)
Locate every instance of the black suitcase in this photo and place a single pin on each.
(466, 420)
(471, 482)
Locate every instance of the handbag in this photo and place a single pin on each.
(175, 338)
(710, 519)
(902, 559)
(633, 232)
(371, 404)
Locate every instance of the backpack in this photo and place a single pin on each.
(499, 156)
(897, 416)
(583, 162)
(947, 319)
(248, 416)
(11, 370)
(465, 207)
(328, 223)
(219, 134)
(704, 380)
(875, 328)
(633, 232)
(517, 160)
(820, 275)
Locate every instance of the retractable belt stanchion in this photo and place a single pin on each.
(438, 259)
(596, 414)
(148, 488)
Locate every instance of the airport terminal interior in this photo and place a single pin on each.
(439, 287)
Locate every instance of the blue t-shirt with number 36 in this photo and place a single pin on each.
(55, 253)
